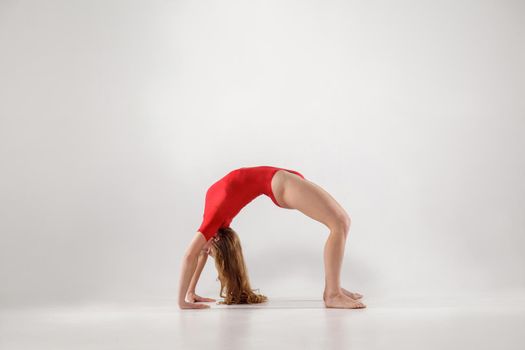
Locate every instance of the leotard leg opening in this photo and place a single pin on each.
(270, 192)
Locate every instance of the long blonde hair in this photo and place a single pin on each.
(233, 275)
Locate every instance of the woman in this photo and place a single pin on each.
(225, 198)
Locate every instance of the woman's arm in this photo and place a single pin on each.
(189, 264)
(201, 262)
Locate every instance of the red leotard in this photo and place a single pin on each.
(227, 196)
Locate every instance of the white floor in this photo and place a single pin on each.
(397, 323)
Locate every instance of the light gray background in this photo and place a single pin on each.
(117, 115)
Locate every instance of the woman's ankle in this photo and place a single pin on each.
(331, 293)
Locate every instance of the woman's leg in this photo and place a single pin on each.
(293, 192)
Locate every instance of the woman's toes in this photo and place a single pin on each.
(352, 295)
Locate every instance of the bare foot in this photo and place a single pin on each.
(341, 301)
(353, 295)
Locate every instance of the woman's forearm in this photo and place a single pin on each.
(203, 256)
(189, 263)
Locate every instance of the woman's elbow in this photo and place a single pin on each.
(190, 256)
(194, 248)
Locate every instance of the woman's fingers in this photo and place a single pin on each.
(192, 297)
(193, 306)
(204, 299)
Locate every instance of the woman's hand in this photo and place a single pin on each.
(186, 305)
(194, 298)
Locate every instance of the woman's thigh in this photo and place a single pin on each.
(310, 199)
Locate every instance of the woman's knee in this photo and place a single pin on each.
(342, 223)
